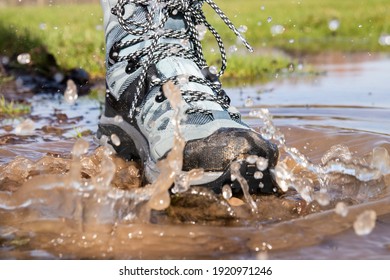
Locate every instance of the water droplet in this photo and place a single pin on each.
(175, 165)
(243, 29)
(227, 192)
(185, 43)
(174, 12)
(118, 119)
(258, 175)
(159, 31)
(24, 58)
(233, 49)
(155, 79)
(360, 26)
(160, 201)
(269, 19)
(337, 153)
(202, 30)
(251, 159)
(262, 256)
(115, 139)
(365, 222)
(213, 70)
(291, 67)
(262, 8)
(70, 94)
(333, 24)
(322, 198)
(182, 183)
(196, 174)
(25, 127)
(42, 26)
(291, 41)
(80, 148)
(235, 166)
(103, 140)
(262, 163)
(341, 209)
(58, 77)
(384, 40)
(5, 60)
(236, 175)
(182, 80)
(248, 102)
(277, 29)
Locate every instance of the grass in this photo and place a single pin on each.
(73, 33)
(12, 109)
(305, 24)
(5, 79)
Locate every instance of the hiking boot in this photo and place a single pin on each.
(149, 43)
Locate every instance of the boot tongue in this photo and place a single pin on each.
(175, 23)
(175, 66)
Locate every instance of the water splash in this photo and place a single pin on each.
(213, 69)
(248, 102)
(118, 119)
(171, 167)
(202, 30)
(341, 209)
(384, 40)
(362, 178)
(115, 139)
(333, 25)
(236, 175)
(26, 127)
(24, 58)
(227, 192)
(70, 94)
(365, 222)
(277, 29)
(77, 188)
(242, 28)
(233, 49)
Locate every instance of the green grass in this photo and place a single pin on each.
(73, 32)
(5, 79)
(362, 22)
(12, 109)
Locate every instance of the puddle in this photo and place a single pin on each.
(55, 203)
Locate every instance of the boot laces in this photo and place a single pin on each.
(150, 30)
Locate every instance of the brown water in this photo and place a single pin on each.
(61, 200)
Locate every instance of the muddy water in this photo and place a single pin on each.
(61, 200)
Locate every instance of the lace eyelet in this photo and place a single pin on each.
(209, 76)
(160, 97)
(114, 52)
(130, 67)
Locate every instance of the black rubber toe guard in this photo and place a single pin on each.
(216, 153)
